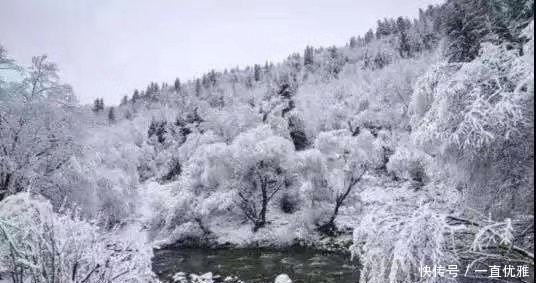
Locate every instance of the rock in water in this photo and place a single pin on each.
(282, 278)
(205, 278)
(180, 277)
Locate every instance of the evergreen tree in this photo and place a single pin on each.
(124, 100)
(204, 81)
(111, 114)
(177, 85)
(404, 47)
(151, 89)
(384, 28)
(95, 107)
(467, 25)
(212, 78)
(135, 96)
(369, 36)
(249, 82)
(295, 63)
(308, 56)
(98, 105)
(335, 62)
(158, 129)
(257, 72)
(353, 42)
(267, 66)
(516, 14)
(198, 87)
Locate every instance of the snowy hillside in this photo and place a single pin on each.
(411, 146)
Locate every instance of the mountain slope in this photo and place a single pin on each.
(416, 138)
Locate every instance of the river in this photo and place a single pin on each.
(303, 265)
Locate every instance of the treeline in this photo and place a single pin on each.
(463, 24)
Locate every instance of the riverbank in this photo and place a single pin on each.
(338, 244)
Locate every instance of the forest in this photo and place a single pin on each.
(411, 146)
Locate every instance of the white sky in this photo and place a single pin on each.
(106, 48)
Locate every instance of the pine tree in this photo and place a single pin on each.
(369, 36)
(267, 66)
(95, 107)
(111, 114)
(335, 62)
(98, 105)
(404, 47)
(257, 72)
(353, 42)
(467, 24)
(135, 96)
(384, 28)
(516, 14)
(151, 89)
(124, 100)
(198, 87)
(249, 82)
(308, 56)
(212, 78)
(177, 85)
(101, 104)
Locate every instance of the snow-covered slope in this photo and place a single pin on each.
(392, 148)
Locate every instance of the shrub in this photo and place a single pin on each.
(39, 245)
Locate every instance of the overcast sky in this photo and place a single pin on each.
(106, 48)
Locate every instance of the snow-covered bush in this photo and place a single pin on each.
(231, 120)
(478, 104)
(394, 243)
(40, 245)
(473, 117)
(346, 159)
(238, 181)
(409, 163)
(373, 99)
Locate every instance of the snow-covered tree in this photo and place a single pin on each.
(111, 115)
(6, 63)
(39, 245)
(475, 114)
(347, 159)
(36, 129)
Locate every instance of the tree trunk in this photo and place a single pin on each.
(329, 227)
(262, 215)
(335, 212)
(4, 186)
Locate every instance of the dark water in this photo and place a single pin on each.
(257, 265)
